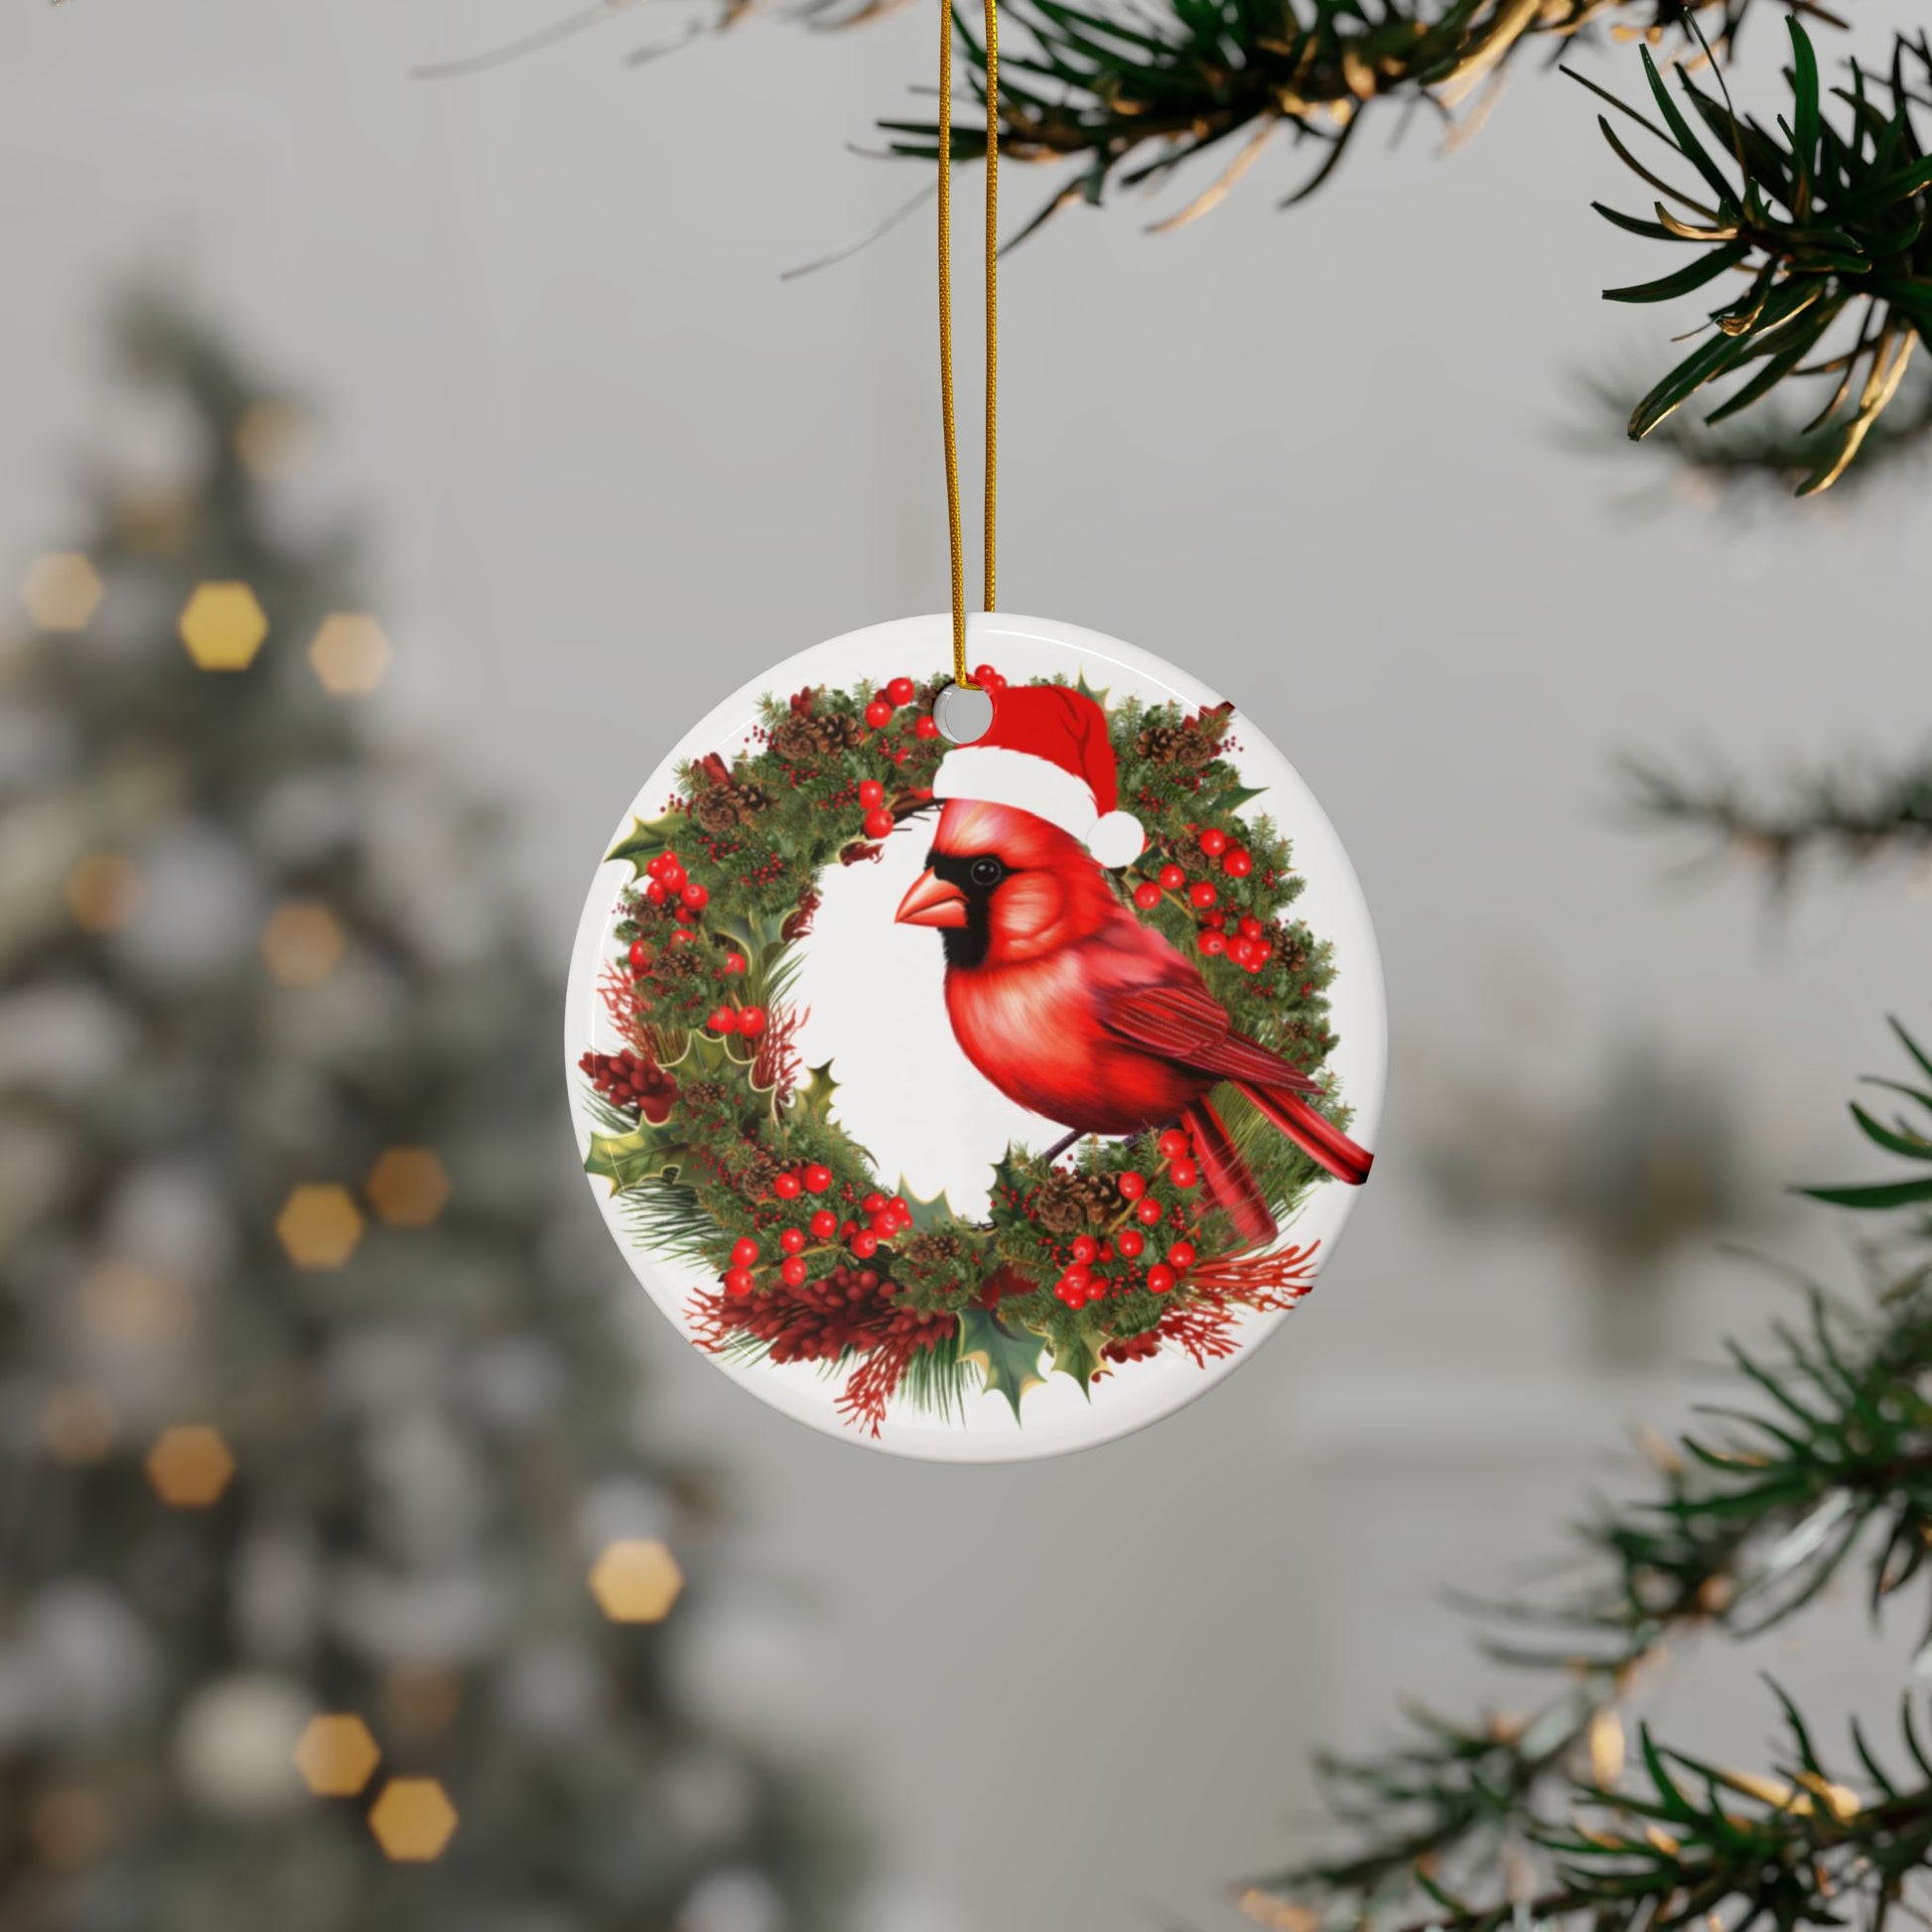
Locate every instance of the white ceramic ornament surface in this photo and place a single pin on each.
(892, 1131)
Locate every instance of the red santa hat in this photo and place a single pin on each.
(1046, 752)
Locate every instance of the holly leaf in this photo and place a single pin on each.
(1008, 1359)
(645, 841)
(811, 1098)
(1235, 797)
(1078, 1358)
(926, 1214)
(627, 1160)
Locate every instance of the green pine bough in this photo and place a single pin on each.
(726, 1152)
(1818, 1464)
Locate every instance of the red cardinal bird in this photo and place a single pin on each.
(1057, 992)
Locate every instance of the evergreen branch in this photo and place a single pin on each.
(1857, 819)
(1464, 1826)
(1125, 100)
(1769, 454)
(1827, 220)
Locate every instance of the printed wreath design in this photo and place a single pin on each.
(727, 1152)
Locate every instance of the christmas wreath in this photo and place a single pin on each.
(726, 1149)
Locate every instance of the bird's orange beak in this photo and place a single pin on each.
(931, 901)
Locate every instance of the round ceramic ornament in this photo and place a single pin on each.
(976, 1101)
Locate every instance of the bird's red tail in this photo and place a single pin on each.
(1319, 1139)
(1230, 1185)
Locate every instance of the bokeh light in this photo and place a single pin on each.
(319, 1225)
(103, 892)
(336, 1755)
(351, 654)
(303, 943)
(413, 1820)
(190, 1465)
(223, 627)
(61, 591)
(637, 1580)
(408, 1186)
(78, 1424)
(124, 1302)
(268, 438)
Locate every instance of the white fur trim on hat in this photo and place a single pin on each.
(1032, 784)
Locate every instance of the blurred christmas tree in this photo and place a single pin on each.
(333, 1561)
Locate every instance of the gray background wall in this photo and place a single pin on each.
(614, 466)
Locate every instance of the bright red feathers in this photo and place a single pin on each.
(1072, 1007)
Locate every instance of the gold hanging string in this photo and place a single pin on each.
(960, 673)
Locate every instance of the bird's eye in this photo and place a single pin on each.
(987, 872)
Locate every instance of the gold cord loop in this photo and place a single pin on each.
(960, 673)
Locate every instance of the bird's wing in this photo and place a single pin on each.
(1187, 1023)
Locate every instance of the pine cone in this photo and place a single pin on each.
(718, 810)
(931, 1254)
(1196, 748)
(1192, 860)
(802, 739)
(1158, 743)
(1070, 1202)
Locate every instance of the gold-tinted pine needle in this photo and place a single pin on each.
(947, 413)
(1606, 1746)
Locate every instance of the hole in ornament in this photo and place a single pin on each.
(964, 714)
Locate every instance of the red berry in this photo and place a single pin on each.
(847, 1229)
(744, 1251)
(872, 1203)
(825, 1224)
(673, 872)
(793, 1241)
(1097, 1288)
(724, 1020)
(1085, 1248)
(739, 1282)
(898, 1210)
(900, 690)
(681, 937)
(987, 678)
(1181, 1256)
(658, 891)
(818, 1178)
(788, 1187)
(1210, 942)
(794, 1272)
(1241, 951)
(1160, 1279)
(879, 824)
(1202, 894)
(878, 713)
(1184, 1173)
(1255, 961)
(1174, 1143)
(926, 728)
(1130, 1241)
(1078, 1277)
(696, 896)
(1106, 1251)
(870, 792)
(1133, 1186)
(1147, 895)
(1252, 927)
(1171, 878)
(883, 1226)
(1239, 862)
(865, 1242)
(1072, 1296)
(751, 1022)
(1214, 842)
(1148, 1213)
(684, 915)
(640, 954)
